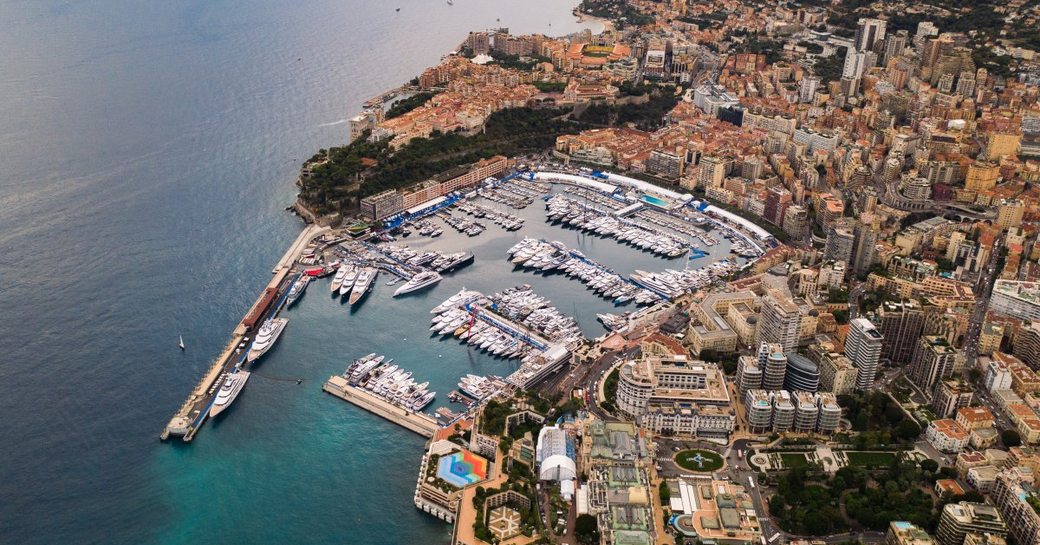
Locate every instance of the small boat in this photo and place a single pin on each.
(297, 289)
(398, 9)
(180, 342)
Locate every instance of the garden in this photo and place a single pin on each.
(699, 460)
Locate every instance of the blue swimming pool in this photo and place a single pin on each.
(654, 201)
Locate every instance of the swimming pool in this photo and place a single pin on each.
(654, 201)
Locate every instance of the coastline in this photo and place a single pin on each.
(608, 25)
(200, 234)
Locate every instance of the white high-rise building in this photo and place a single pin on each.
(1016, 299)
(869, 32)
(997, 376)
(779, 321)
(863, 348)
(807, 88)
(925, 30)
(858, 62)
(773, 363)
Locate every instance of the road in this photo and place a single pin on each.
(983, 291)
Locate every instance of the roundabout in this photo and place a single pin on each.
(699, 460)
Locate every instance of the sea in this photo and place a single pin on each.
(147, 153)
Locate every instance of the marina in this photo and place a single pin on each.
(547, 257)
(516, 324)
(184, 157)
(571, 212)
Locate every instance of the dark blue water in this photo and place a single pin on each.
(147, 151)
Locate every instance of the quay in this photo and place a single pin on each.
(421, 423)
(193, 413)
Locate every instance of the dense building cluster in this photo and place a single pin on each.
(889, 153)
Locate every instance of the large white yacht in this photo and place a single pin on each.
(349, 281)
(266, 337)
(365, 280)
(233, 384)
(418, 282)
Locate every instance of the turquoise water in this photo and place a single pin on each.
(654, 200)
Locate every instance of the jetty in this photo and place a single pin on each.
(193, 413)
(418, 422)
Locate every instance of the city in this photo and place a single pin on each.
(866, 372)
(502, 272)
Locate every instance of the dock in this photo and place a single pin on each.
(421, 423)
(195, 410)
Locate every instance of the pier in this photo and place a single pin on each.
(193, 413)
(421, 423)
(509, 327)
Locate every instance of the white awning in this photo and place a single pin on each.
(420, 207)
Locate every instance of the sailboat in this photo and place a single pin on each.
(180, 342)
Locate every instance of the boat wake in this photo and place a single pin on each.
(334, 123)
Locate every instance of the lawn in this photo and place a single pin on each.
(698, 460)
(871, 459)
(794, 460)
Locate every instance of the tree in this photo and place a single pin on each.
(894, 414)
(929, 465)
(1010, 438)
(908, 429)
(586, 529)
(666, 494)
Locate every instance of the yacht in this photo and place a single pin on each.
(365, 280)
(297, 289)
(233, 384)
(453, 301)
(266, 337)
(337, 280)
(476, 386)
(419, 281)
(420, 403)
(348, 281)
(454, 261)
